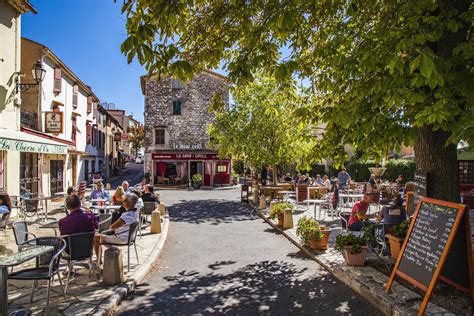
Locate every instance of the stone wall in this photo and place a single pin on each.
(189, 128)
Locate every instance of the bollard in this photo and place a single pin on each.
(155, 227)
(263, 202)
(288, 218)
(162, 208)
(113, 267)
(255, 197)
(157, 196)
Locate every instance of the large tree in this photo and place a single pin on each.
(261, 127)
(385, 72)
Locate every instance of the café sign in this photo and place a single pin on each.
(184, 156)
(19, 145)
(53, 122)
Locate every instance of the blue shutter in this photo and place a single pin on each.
(176, 107)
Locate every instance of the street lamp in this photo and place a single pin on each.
(38, 73)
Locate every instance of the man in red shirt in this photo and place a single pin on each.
(358, 213)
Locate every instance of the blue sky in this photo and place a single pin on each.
(86, 35)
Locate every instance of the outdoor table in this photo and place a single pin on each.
(271, 190)
(287, 194)
(106, 208)
(317, 203)
(51, 225)
(98, 200)
(26, 253)
(351, 197)
(316, 188)
(45, 204)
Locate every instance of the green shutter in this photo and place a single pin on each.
(176, 107)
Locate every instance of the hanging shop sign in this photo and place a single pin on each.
(53, 122)
(117, 137)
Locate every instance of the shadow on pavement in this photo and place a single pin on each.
(214, 212)
(261, 288)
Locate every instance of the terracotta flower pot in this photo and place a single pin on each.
(281, 219)
(355, 259)
(320, 244)
(395, 245)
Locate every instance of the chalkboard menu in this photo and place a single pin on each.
(426, 243)
(421, 182)
(437, 246)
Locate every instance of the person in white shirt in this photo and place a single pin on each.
(326, 182)
(121, 227)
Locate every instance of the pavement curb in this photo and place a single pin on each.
(377, 297)
(121, 291)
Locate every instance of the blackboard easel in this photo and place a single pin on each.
(454, 266)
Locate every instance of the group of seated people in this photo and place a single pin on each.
(390, 215)
(81, 220)
(307, 179)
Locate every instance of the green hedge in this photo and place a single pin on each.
(359, 170)
(402, 167)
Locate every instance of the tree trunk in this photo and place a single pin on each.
(439, 162)
(275, 176)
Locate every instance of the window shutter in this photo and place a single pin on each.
(88, 133)
(57, 80)
(159, 136)
(177, 107)
(75, 92)
(94, 110)
(89, 104)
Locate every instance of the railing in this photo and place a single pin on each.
(29, 120)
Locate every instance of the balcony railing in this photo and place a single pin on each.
(29, 120)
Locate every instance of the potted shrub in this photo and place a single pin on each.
(197, 181)
(277, 210)
(354, 248)
(312, 234)
(396, 238)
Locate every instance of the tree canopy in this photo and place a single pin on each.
(385, 72)
(261, 127)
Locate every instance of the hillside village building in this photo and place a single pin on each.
(176, 119)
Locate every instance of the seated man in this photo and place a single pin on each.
(148, 195)
(78, 220)
(318, 180)
(393, 214)
(126, 187)
(120, 228)
(99, 192)
(358, 213)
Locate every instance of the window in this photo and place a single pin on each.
(159, 136)
(177, 107)
(75, 95)
(176, 84)
(57, 81)
(2, 171)
(466, 171)
(29, 179)
(222, 168)
(56, 172)
(74, 128)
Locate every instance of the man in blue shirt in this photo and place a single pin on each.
(344, 178)
(99, 192)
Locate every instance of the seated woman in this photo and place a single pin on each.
(393, 214)
(120, 228)
(118, 196)
(5, 208)
(359, 213)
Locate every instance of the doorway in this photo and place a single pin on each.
(196, 167)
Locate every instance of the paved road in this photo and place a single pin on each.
(133, 173)
(219, 258)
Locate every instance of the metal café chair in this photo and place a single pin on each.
(47, 266)
(21, 233)
(132, 235)
(105, 220)
(78, 248)
(148, 208)
(30, 207)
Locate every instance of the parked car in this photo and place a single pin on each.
(139, 159)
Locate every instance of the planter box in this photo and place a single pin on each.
(356, 259)
(320, 244)
(395, 245)
(281, 219)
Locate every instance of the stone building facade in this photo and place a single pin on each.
(176, 119)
